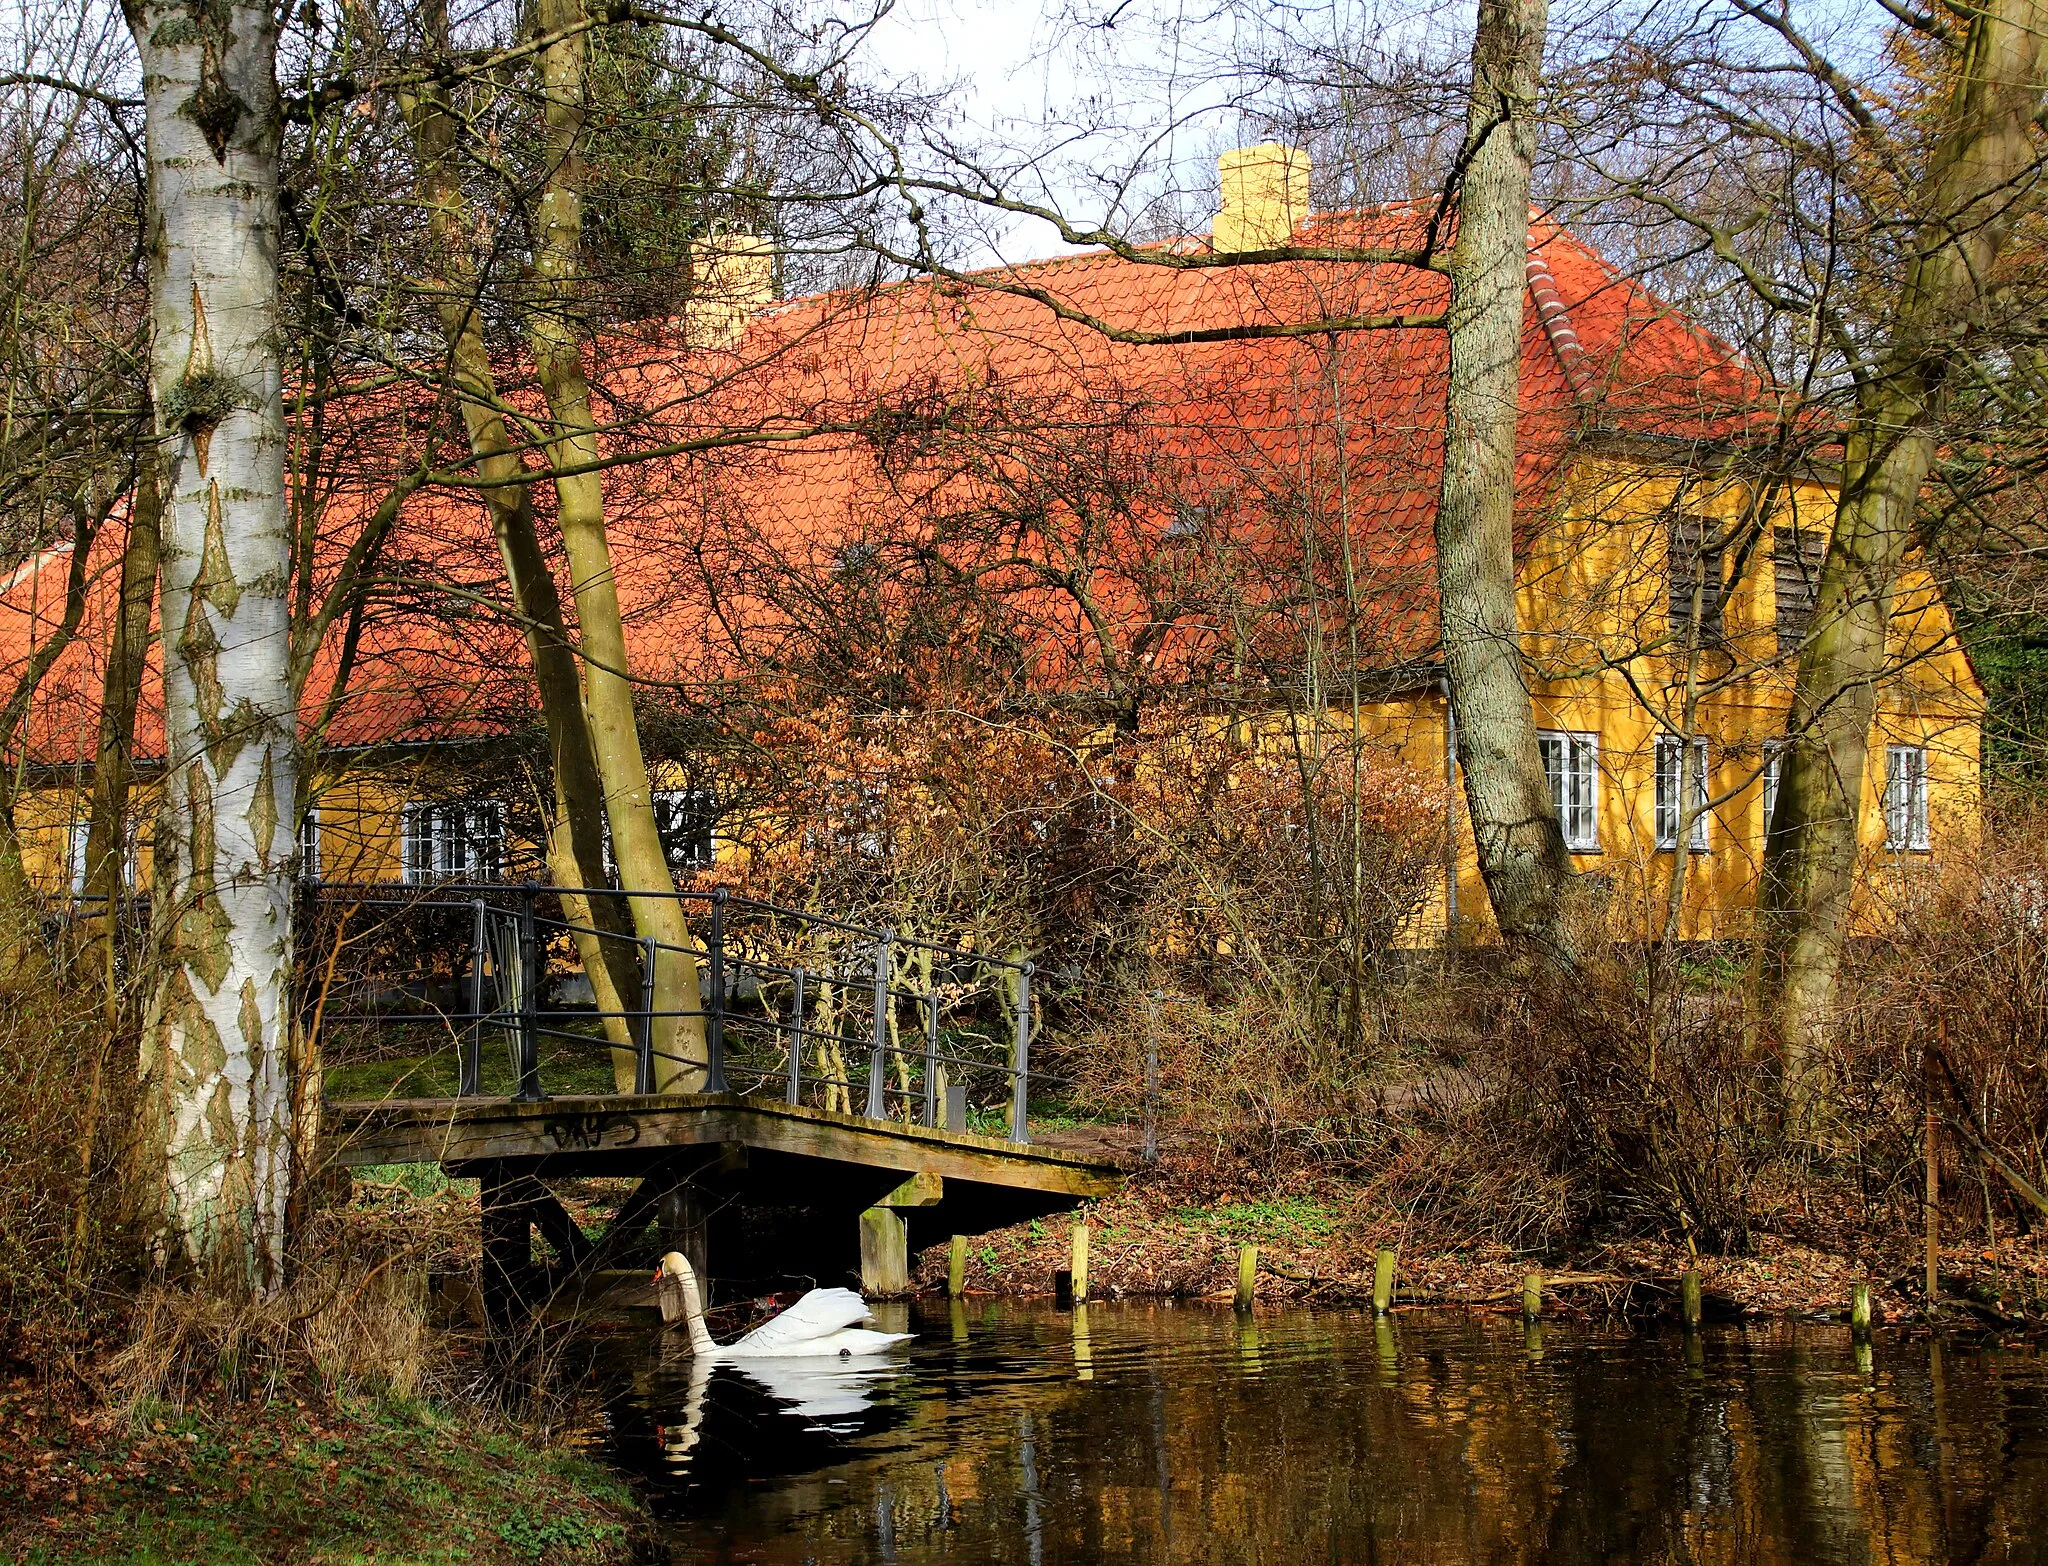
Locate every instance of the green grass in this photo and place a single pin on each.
(278, 1484)
(566, 1066)
(422, 1182)
(1296, 1221)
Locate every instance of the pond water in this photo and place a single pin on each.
(1162, 1432)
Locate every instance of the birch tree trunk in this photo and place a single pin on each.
(572, 443)
(215, 1039)
(1977, 187)
(1520, 842)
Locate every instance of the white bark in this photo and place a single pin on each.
(214, 1050)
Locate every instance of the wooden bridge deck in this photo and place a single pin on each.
(753, 1188)
(615, 1134)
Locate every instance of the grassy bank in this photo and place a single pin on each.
(1176, 1228)
(282, 1481)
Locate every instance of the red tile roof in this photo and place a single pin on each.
(907, 375)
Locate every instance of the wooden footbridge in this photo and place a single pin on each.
(756, 1161)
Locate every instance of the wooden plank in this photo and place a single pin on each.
(466, 1130)
(923, 1189)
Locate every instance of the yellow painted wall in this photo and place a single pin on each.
(1594, 601)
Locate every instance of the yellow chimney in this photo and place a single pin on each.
(1265, 193)
(734, 277)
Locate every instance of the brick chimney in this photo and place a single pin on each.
(1265, 193)
(734, 275)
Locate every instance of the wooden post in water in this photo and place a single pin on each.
(1383, 1283)
(1689, 1300)
(1859, 1309)
(1532, 1296)
(1078, 1267)
(1247, 1275)
(956, 1268)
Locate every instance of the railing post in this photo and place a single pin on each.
(714, 1019)
(1020, 1058)
(643, 1066)
(877, 1082)
(796, 1035)
(529, 1000)
(931, 1058)
(470, 1050)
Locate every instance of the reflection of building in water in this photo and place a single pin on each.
(1775, 1451)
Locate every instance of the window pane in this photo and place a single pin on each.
(1667, 811)
(1570, 765)
(686, 819)
(1552, 748)
(1905, 797)
(1667, 792)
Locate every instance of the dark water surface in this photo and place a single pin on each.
(1139, 1432)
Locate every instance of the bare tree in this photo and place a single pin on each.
(1982, 173)
(1514, 824)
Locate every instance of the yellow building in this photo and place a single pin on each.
(990, 414)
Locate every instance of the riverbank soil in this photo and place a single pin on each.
(281, 1481)
(1177, 1225)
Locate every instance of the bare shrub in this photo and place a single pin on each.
(66, 1096)
(1272, 877)
(352, 1321)
(1606, 1105)
(1958, 966)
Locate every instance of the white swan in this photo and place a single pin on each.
(824, 1322)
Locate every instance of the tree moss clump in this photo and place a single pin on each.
(202, 400)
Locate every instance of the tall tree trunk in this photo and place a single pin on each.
(214, 1045)
(1976, 187)
(572, 443)
(576, 831)
(113, 767)
(1521, 844)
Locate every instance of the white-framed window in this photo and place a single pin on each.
(1774, 769)
(309, 844)
(1905, 797)
(78, 838)
(75, 866)
(1571, 763)
(687, 819)
(454, 840)
(1669, 752)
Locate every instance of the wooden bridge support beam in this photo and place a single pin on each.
(685, 1226)
(508, 1248)
(884, 1252)
(885, 1234)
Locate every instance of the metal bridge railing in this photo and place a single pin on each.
(795, 1004)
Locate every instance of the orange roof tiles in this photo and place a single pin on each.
(910, 378)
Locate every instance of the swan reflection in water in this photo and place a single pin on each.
(817, 1360)
(822, 1397)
